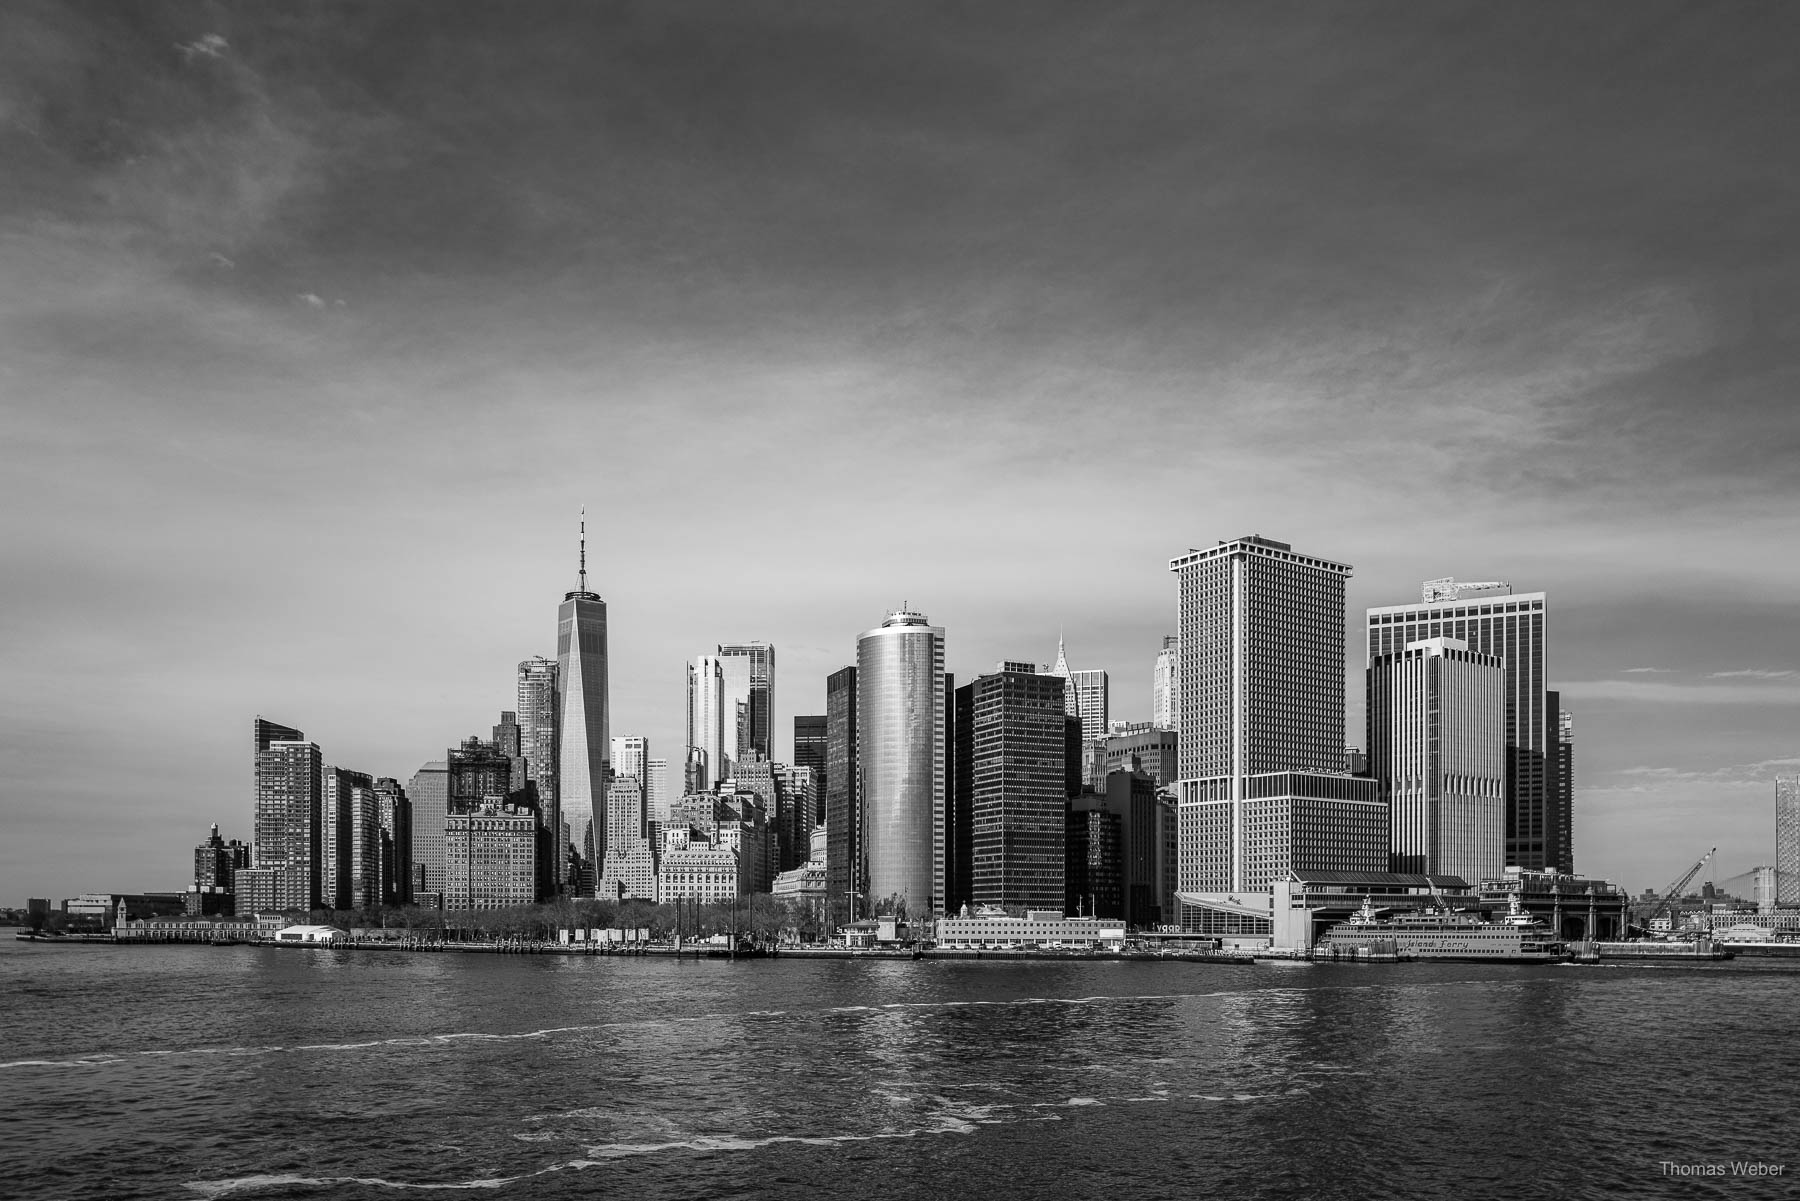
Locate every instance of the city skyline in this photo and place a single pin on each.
(299, 323)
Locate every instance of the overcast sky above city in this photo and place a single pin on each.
(319, 323)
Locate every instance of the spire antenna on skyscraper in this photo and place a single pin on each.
(583, 585)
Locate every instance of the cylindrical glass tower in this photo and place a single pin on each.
(900, 751)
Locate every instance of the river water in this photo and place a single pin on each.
(243, 1072)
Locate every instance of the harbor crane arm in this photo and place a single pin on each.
(1674, 892)
(1449, 588)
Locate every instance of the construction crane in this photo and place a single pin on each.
(1449, 588)
(1674, 892)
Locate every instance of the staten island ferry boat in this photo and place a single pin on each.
(1451, 934)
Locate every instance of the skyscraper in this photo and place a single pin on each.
(429, 791)
(845, 871)
(289, 781)
(706, 722)
(537, 731)
(1437, 751)
(1511, 628)
(350, 841)
(582, 710)
(395, 815)
(900, 715)
(1093, 702)
(1787, 840)
(748, 670)
(810, 738)
(1562, 846)
(631, 757)
(656, 789)
(1010, 793)
(1060, 669)
(1164, 693)
(1261, 745)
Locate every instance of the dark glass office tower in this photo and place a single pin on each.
(844, 873)
(810, 737)
(1011, 794)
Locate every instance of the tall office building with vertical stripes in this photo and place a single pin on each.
(1261, 706)
(706, 725)
(1437, 752)
(585, 739)
(1511, 628)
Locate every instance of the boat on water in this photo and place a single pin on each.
(1443, 933)
(1674, 949)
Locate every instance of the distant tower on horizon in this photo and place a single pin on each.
(1787, 840)
(1164, 691)
(585, 741)
(900, 717)
(1087, 695)
(631, 757)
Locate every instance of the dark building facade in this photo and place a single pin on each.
(395, 814)
(1011, 779)
(216, 863)
(843, 844)
(1115, 856)
(478, 770)
(811, 737)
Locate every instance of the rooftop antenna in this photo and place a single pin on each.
(584, 548)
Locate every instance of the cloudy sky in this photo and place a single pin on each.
(319, 322)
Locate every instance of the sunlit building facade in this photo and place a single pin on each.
(1165, 695)
(1437, 752)
(706, 724)
(287, 838)
(1261, 741)
(1512, 629)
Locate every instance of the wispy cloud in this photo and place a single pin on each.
(1670, 692)
(1731, 773)
(1661, 671)
(207, 46)
(1754, 673)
